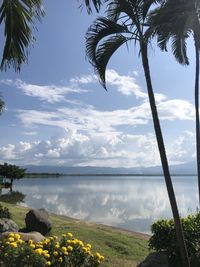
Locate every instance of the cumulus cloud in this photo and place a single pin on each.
(78, 149)
(183, 148)
(95, 136)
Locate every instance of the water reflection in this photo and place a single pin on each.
(129, 203)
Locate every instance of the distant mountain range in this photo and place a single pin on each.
(182, 169)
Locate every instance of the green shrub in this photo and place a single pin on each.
(4, 212)
(164, 236)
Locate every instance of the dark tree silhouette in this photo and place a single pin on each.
(11, 172)
(176, 21)
(126, 21)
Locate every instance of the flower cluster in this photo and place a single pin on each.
(68, 251)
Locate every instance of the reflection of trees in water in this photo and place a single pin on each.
(12, 197)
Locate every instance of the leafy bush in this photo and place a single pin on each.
(164, 236)
(68, 252)
(12, 197)
(4, 212)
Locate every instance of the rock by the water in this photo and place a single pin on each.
(8, 225)
(155, 259)
(38, 220)
(35, 236)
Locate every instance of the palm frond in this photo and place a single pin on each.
(89, 3)
(179, 49)
(100, 29)
(2, 105)
(18, 18)
(104, 53)
(172, 21)
(148, 4)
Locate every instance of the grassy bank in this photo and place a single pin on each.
(120, 247)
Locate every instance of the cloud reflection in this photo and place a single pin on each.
(129, 203)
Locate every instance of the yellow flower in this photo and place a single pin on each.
(57, 246)
(63, 235)
(39, 245)
(48, 263)
(80, 243)
(20, 241)
(11, 235)
(70, 235)
(85, 249)
(98, 255)
(55, 253)
(11, 239)
(69, 248)
(46, 255)
(60, 259)
(17, 236)
(32, 246)
(55, 237)
(66, 253)
(64, 249)
(89, 246)
(39, 251)
(30, 241)
(101, 258)
(47, 241)
(13, 245)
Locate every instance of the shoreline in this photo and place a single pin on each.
(120, 247)
(145, 236)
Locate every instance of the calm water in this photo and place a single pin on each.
(128, 202)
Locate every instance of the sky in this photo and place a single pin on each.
(57, 113)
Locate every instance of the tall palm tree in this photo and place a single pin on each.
(124, 22)
(18, 19)
(177, 21)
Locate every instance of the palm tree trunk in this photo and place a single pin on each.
(163, 156)
(197, 112)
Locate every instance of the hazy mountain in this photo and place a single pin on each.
(187, 168)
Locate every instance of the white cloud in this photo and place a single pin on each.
(112, 150)
(94, 136)
(29, 133)
(176, 109)
(48, 93)
(84, 79)
(183, 148)
(91, 120)
(125, 84)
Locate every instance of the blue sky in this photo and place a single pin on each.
(58, 114)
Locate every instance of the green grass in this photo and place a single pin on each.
(120, 247)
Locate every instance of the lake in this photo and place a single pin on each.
(129, 202)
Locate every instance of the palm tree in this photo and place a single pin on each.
(178, 20)
(18, 18)
(124, 22)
